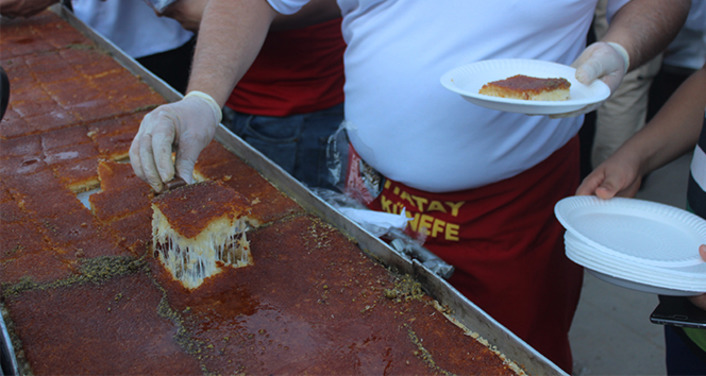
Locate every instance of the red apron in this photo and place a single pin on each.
(506, 247)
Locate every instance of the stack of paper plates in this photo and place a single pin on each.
(636, 244)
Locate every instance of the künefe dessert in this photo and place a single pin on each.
(78, 283)
(528, 88)
(198, 228)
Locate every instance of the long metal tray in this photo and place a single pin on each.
(463, 310)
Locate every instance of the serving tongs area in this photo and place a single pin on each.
(174, 184)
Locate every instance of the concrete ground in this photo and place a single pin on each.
(611, 333)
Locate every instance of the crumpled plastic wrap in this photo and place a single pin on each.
(377, 223)
(387, 226)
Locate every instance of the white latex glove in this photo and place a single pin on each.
(606, 61)
(187, 126)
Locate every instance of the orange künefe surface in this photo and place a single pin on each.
(528, 88)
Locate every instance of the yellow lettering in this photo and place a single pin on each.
(438, 227)
(414, 223)
(437, 206)
(419, 202)
(406, 196)
(452, 232)
(387, 184)
(455, 206)
(425, 222)
(385, 204)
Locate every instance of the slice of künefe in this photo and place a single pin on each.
(528, 88)
(199, 228)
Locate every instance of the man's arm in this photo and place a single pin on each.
(230, 37)
(639, 30)
(672, 132)
(646, 27)
(675, 129)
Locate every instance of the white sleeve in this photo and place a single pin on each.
(287, 6)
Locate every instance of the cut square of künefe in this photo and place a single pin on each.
(198, 229)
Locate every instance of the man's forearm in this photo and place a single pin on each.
(230, 37)
(646, 27)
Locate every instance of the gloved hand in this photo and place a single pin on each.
(607, 61)
(187, 125)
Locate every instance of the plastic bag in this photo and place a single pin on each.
(348, 172)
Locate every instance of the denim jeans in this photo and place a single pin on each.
(297, 143)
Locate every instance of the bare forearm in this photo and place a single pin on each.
(675, 128)
(230, 37)
(646, 27)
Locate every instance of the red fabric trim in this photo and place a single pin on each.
(297, 71)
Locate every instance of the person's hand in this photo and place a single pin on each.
(187, 12)
(606, 61)
(187, 125)
(700, 300)
(23, 8)
(619, 175)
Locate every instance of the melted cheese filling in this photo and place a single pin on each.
(191, 260)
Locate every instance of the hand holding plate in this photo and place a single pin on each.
(605, 61)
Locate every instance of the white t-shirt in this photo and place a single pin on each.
(410, 128)
(132, 25)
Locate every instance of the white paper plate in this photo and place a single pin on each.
(615, 274)
(466, 80)
(640, 231)
(636, 244)
(692, 275)
(643, 278)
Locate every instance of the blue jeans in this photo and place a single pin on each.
(297, 143)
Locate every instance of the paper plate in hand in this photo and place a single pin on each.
(466, 80)
(637, 230)
(641, 242)
(687, 281)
